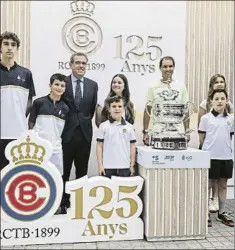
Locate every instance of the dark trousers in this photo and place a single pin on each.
(3, 159)
(78, 151)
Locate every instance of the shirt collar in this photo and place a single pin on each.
(5, 68)
(74, 79)
(172, 80)
(214, 113)
(123, 122)
(49, 98)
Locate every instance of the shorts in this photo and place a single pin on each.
(122, 172)
(221, 169)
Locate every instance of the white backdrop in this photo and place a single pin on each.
(146, 29)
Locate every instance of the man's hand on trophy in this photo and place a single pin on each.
(188, 137)
(146, 139)
(187, 134)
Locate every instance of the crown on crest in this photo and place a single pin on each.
(82, 7)
(27, 152)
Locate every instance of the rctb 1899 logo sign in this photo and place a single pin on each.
(31, 188)
(31, 191)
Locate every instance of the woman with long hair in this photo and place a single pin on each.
(119, 87)
(217, 81)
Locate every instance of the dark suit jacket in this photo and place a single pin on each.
(82, 116)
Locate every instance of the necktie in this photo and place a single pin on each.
(78, 94)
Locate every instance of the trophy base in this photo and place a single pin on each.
(169, 143)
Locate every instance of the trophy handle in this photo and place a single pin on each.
(188, 132)
(190, 111)
(147, 109)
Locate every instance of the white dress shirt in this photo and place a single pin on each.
(74, 83)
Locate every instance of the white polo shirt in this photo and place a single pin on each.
(117, 137)
(218, 129)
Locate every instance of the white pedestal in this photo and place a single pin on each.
(175, 193)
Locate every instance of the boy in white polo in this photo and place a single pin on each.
(215, 132)
(48, 116)
(116, 143)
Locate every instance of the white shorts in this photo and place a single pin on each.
(57, 160)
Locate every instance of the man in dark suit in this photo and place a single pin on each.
(81, 97)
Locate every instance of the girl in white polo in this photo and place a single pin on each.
(215, 132)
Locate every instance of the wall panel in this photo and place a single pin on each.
(15, 16)
(209, 41)
(209, 46)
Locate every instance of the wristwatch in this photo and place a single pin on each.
(145, 131)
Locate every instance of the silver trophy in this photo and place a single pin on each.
(169, 116)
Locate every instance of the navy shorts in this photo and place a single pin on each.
(122, 172)
(221, 169)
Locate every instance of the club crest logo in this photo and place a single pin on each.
(81, 33)
(31, 186)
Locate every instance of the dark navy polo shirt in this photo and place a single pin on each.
(49, 119)
(16, 87)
